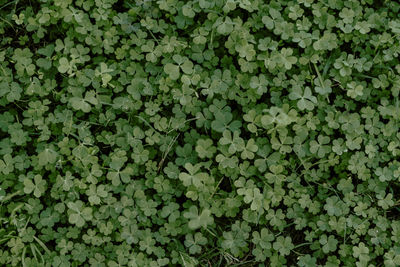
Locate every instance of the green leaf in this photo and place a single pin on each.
(329, 244)
(172, 70)
(205, 148)
(283, 245)
(305, 99)
(47, 156)
(37, 186)
(204, 219)
(225, 27)
(64, 65)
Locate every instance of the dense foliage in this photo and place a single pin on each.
(199, 133)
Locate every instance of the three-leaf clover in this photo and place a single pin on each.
(7, 164)
(205, 148)
(182, 63)
(235, 142)
(361, 252)
(196, 220)
(354, 90)
(78, 213)
(194, 242)
(37, 186)
(83, 104)
(193, 176)
(283, 245)
(329, 244)
(320, 147)
(47, 156)
(305, 99)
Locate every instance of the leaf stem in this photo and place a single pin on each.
(321, 80)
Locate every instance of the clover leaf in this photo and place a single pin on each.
(196, 220)
(205, 148)
(78, 213)
(329, 244)
(37, 186)
(283, 245)
(305, 98)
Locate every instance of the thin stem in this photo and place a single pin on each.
(302, 244)
(321, 80)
